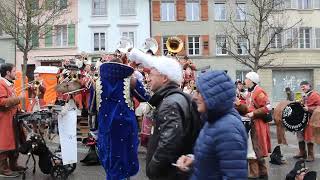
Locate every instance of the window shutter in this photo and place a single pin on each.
(71, 35)
(35, 38)
(156, 10)
(63, 4)
(205, 44)
(181, 10)
(48, 36)
(204, 10)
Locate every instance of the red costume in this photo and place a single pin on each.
(8, 108)
(312, 100)
(257, 100)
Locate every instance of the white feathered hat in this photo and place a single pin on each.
(253, 76)
(165, 65)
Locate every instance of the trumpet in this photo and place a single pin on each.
(20, 89)
(37, 83)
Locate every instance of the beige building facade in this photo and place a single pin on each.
(206, 19)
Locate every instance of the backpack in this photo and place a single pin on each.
(196, 124)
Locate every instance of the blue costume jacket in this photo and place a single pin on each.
(118, 129)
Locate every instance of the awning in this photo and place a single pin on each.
(52, 58)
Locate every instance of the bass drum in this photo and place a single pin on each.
(294, 117)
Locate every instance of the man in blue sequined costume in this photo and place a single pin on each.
(118, 129)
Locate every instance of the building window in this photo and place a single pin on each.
(127, 7)
(221, 45)
(61, 36)
(129, 35)
(194, 45)
(193, 12)
(99, 41)
(99, 7)
(304, 4)
(291, 38)
(164, 47)
(242, 45)
(305, 38)
(276, 42)
(241, 12)
(220, 11)
(241, 74)
(317, 39)
(168, 11)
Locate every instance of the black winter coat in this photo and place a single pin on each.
(175, 132)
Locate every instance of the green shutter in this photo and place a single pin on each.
(63, 4)
(35, 38)
(48, 38)
(71, 35)
(49, 4)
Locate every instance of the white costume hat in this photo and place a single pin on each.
(165, 65)
(253, 76)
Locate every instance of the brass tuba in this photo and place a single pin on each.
(174, 45)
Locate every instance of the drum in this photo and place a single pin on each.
(66, 87)
(247, 123)
(294, 117)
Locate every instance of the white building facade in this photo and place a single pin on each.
(103, 22)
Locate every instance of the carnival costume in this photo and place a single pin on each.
(118, 129)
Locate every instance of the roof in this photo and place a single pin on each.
(47, 69)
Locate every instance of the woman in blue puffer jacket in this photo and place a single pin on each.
(220, 152)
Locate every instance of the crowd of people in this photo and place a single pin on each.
(192, 125)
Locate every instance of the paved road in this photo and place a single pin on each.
(97, 172)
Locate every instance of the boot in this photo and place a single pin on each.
(4, 169)
(263, 168)
(310, 152)
(302, 151)
(13, 165)
(253, 169)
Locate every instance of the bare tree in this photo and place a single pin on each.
(27, 21)
(254, 33)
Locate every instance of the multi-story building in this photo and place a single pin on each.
(103, 22)
(7, 50)
(200, 24)
(7, 46)
(59, 43)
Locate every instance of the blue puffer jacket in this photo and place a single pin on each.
(221, 148)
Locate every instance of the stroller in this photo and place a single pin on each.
(49, 162)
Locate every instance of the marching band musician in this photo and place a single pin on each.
(37, 90)
(258, 105)
(86, 81)
(8, 109)
(311, 100)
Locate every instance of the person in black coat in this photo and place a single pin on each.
(175, 126)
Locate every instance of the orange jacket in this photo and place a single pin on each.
(8, 108)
